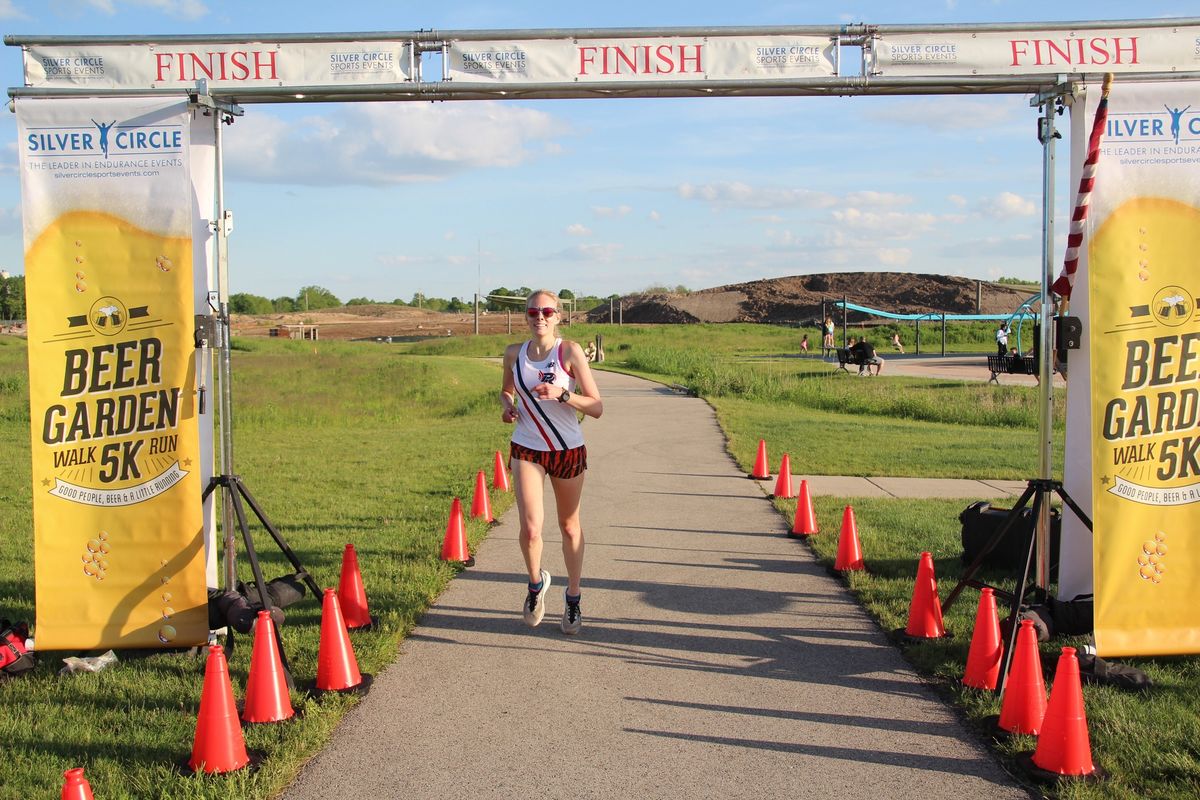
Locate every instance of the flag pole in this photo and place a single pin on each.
(1051, 106)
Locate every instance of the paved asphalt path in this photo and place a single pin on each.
(717, 659)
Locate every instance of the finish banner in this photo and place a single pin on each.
(1145, 370)
(220, 65)
(118, 539)
(1035, 51)
(574, 61)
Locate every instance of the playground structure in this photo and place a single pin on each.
(1018, 317)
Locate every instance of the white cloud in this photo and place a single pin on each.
(654, 216)
(878, 199)
(894, 256)
(736, 194)
(1007, 205)
(384, 143)
(890, 223)
(576, 229)
(957, 199)
(9, 11)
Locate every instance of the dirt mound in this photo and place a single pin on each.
(797, 299)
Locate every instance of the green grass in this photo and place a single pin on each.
(339, 443)
(1149, 744)
(367, 443)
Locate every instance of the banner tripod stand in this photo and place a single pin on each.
(1039, 491)
(234, 489)
(1037, 559)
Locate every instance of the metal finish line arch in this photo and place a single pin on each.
(858, 59)
(180, 89)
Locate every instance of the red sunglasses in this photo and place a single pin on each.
(545, 311)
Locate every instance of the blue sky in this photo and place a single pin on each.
(601, 196)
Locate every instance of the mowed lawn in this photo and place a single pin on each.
(368, 444)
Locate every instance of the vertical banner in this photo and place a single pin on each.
(1145, 367)
(108, 219)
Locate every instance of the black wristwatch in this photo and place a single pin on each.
(564, 397)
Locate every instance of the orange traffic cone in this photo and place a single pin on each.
(849, 556)
(806, 521)
(337, 668)
(75, 786)
(454, 546)
(352, 597)
(761, 471)
(925, 609)
(983, 659)
(481, 504)
(500, 474)
(218, 746)
(1063, 746)
(783, 484)
(267, 697)
(1024, 703)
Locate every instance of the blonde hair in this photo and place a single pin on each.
(545, 292)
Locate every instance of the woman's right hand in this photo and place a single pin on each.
(509, 415)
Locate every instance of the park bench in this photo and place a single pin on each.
(1011, 365)
(844, 357)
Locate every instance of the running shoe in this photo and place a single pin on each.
(535, 603)
(572, 619)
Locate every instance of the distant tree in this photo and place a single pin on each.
(311, 298)
(399, 302)
(456, 304)
(243, 303)
(1018, 281)
(659, 288)
(566, 294)
(418, 300)
(284, 304)
(12, 297)
(360, 301)
(494, 304)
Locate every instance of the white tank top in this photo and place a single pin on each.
(544, 424)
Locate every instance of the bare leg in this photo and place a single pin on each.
(567, 493)
(528, 479)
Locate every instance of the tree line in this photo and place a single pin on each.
(313, 298)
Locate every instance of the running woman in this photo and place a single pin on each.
(546, 380)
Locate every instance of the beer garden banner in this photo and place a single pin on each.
(1144, 333)
(108, 219)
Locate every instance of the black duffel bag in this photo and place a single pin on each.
(980, 521)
